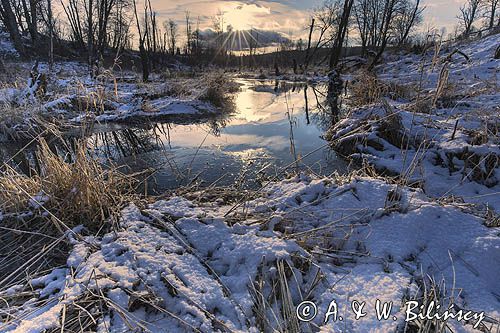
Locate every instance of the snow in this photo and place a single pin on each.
(188, 259)
(74, 97)
(438, 157)
(6, 46)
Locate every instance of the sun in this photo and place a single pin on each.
(245, 16)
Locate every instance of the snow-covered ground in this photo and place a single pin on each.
(6, 47)
(178, 266)
(451, 150)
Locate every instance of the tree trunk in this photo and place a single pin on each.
(493, 9)
(33, 26)
(11, 25)
(342, 29)
(51, 34)
(144, 62)
(410, 25)
(389, 11)
(90, 37)
(306, 61)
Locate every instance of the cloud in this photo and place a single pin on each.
(283, 16)
(287, 17)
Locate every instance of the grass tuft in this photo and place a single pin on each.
(80, 191)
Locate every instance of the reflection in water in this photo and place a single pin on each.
(276, 124)
(335, 87)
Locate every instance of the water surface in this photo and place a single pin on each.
(275, 128)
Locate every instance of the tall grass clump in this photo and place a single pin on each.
(366, 89)
(218, 89)
(80, 191)
(16, 190)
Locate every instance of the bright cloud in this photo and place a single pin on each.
(289, 17)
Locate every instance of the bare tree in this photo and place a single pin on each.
(409, 15)
(390, 9)
(120, 26)
(311, 29)
(29, 17)
(50, 18)
(323, 20)
(342, 27)
(218, 25)
(96, 24)
(90, 35)
(197, 37)
(73, 10)
(468, 15)
(490, 11)
(369, 18)
(188, 33)
(142, 50)
(171, 35)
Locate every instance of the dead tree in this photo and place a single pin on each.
(90, 36)
(324, 19)
(29, 11)
(370, 17)
(142, 50)
(409, 16)
(50, 19)
(104, 10)
(73, 14)
(311, 29)
(490, 8)
(171, 35)
(188, 33)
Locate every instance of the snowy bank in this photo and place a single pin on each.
(183, 266)
(444, 138)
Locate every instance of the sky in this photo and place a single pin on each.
(289, 17)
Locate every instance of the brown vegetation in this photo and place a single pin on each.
(74, 192)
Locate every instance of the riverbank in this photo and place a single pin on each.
(66, 96)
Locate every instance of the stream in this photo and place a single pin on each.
(276, 128)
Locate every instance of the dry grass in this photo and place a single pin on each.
(429, 291)
(39, 209)
(366, 88)
(272, 296)
(24, 122)
(178, 88)
(16, 190)
(78, 192)
(217, 89)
